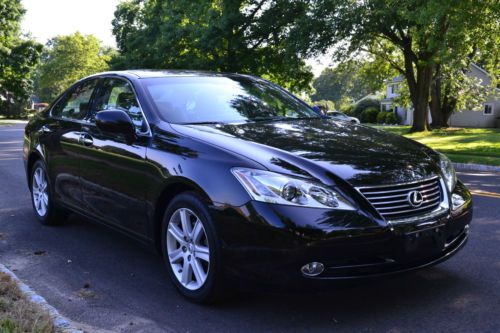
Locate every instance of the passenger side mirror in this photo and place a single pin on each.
(118, 122)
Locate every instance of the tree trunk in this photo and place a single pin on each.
(449, 105)
(419, 87)
(435, 104)
(420, 98)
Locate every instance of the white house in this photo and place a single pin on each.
(486, 117)
(388, 104)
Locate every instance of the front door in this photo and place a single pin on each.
(113, 172)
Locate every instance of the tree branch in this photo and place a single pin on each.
(251, 17)
(386, 58)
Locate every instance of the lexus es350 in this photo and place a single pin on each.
(229, 175)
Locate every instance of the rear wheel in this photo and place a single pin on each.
(41, 197)
(191, 249)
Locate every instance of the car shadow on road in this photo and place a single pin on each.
(122, 271)
(347, 301)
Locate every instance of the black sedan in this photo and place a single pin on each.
(231, 176)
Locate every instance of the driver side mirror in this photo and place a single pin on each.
(117, 122)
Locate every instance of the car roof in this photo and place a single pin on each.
(152, 73)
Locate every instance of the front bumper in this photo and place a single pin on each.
(271, 242)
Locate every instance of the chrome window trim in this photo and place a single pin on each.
(148, 133)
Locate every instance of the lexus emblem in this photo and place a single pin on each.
(415, 199)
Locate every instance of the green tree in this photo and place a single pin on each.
(454, 88)
(325, 105)
(423, 33)
(351, 80)
(331, 85)
(18, 57)
(68, 59)
(246, 36)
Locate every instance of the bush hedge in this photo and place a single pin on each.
(348, 109)
(369, 115)
(391, 118)
(365, 104)
(381, 117)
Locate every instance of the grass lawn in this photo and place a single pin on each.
(462, 145)
(17, 314)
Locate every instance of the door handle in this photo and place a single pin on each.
(86, 140)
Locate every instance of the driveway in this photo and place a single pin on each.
(103, 280)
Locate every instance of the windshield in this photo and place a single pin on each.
(224, 99)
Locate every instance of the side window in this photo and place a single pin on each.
(76, 103)
(117, 94)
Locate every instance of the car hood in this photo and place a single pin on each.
(323, 149)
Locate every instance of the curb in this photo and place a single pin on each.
(475, 167)
(60, 323)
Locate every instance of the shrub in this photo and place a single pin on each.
(391, 118)
(381, 117)
(18, 110)
(369, 115)
(348, 109)
(325, 105)
(365, 104)
(28, 113)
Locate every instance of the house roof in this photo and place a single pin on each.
(399, 78)
(369, 96)
(479, 69)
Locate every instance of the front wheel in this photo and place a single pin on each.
(41, 197)
(191, 249)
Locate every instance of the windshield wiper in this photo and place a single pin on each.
(274, 118)
(203, 123)
(281, 118)
(303, 118)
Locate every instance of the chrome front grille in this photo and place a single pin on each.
(393, 201)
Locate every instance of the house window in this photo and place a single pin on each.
(393, 88)
(488, 109)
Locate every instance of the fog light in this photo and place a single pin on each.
(312, 269)
(456, 201)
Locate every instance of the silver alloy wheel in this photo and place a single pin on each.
(187, 248)
(40, 191)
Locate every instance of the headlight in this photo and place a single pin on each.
(276, 188)
(448, 171)
(456, 201)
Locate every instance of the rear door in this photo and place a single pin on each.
(113, 175)
(61, 139)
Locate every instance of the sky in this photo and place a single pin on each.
(45, 19)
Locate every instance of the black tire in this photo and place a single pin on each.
(211, 290)
(53, 215)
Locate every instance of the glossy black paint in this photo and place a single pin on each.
(103, 172)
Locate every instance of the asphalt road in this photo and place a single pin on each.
(105, 281)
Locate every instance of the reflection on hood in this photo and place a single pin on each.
(321, 147)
